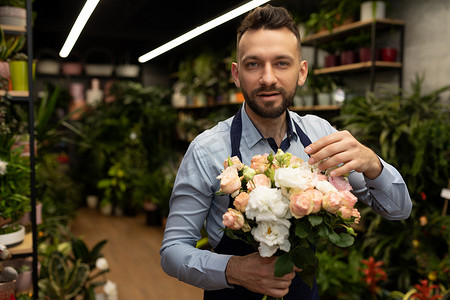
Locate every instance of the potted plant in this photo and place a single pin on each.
(9, 47)
(14, 192)
(371, 10)
(13, 12)
(18, 67)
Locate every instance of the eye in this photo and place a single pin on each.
(252, 65)
(283, 64)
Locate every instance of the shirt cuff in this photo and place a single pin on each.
(217, 266)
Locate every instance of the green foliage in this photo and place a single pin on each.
(15, 3)
(10, 46)
(65, 279)
(412, 132)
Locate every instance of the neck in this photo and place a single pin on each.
(269, 127)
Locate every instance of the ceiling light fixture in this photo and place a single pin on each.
(201, 29)
(78, 26)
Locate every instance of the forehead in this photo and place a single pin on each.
(265, 42)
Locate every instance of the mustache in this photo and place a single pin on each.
(268, 89)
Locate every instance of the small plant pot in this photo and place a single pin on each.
(323, 99)
(7, 290)
(364, 54)
(389, 54)
(19, 74)
(331, 60)
(24, 281)
(72, 68)
(11, 15)
(370, 10)
(14, 238)
(348, 57)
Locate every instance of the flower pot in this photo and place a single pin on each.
(19, 74)
(128, 71)
(26, 219)
(348, 57)
(14, 238)
(7, 290)
(323, 99)
(4, 70)
(389, 54)
(98, 70)
(24, 267)
(72, 68)
(48, 66)
(364, 54)
(11, 15)
(370, 10)
(331, 60)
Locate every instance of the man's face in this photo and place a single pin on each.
(269, 70)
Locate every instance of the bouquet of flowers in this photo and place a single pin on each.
(283, 206)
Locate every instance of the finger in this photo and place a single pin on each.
(321, 143)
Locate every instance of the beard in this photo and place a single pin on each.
(269, 110)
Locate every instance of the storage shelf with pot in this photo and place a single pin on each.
(28, 247)
(374, 64)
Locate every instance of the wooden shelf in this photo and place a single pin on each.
(15, 93)
(12, 28)
(26, 247)
(361, 66)
(325, 36)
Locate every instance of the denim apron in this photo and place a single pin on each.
(298, 289)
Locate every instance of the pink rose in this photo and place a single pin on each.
(331, 202)
(295, 161)
(235, 162)
(241, 201)
(316, 196)
(301, 205)
(258, 180)
(357, 215)
(346, 213)
(259, 163)
(233, 219)
(340, 183)
(230, 181)
(348, 199)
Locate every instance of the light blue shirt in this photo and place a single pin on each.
(194, 204)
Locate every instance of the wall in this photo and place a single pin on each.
(427, 40)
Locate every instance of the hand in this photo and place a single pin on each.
(342, 148)
(256, 274)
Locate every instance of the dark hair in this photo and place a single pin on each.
(269, 17)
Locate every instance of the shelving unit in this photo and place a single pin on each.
(29, 246)
(373, 66)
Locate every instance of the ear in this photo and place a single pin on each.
(235, 73)
(303, 72)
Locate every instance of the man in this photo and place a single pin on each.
(268, 70)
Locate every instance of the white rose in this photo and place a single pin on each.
(325, 187)
(271, 236)
(110, 288)
(101, 264)
(266, 204)
(3, 165)
(295, 178)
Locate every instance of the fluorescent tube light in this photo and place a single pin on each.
(78, 26)
(201, 29)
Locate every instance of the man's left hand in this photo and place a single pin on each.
(342, 148)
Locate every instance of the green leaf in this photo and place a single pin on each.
(341, 240)
(315, 220)
(283, 265)
(305, 259)
(322, 231)
(301, 232)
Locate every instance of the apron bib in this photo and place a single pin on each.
(298, 289)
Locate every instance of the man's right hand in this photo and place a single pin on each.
(256, 274)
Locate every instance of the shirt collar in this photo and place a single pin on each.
(251, 134)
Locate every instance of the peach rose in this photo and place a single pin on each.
(235, 162)
(258, 180)
(331, 202)
(346, 213)
(357, 215)
(259, 163)
(301, 205)
(348, 199)
(233, 219)
(241, 201)
(316, 196)
(229, 180)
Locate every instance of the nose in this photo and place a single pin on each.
(268, 77)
